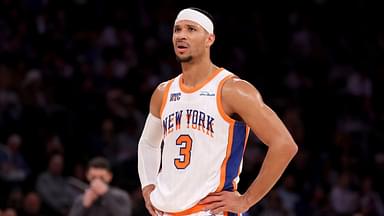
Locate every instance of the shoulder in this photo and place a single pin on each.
(157, 97)
(236, 87)
(239, 97)
(162, 87)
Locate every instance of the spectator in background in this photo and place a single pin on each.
(57, 66)
(9, 212)
(100, 198)
(370, 200)
(13, 167)
(79, 171)
(273, 205)
(53, 187)
(287, 192)
(15, 198)
(314, 203)
(344, 200)
(102, 140)
(31, 205)
(54, 145)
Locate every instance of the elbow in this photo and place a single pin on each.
(293, 148)
(288, 148)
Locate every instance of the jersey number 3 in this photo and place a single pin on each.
(185, 143)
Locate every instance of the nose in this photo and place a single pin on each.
(180, 35)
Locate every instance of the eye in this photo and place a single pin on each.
(191, 29)
(177, 29)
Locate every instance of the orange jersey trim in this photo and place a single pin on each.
(187, 89)
(227, 154)
(165, 96)
(194, 209)
(230, 135)
(220, 101)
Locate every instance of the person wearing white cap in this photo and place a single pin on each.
(203, 118)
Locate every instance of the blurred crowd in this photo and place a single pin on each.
(76, 77)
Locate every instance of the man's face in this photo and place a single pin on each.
(56, 165)
(190, 40)
(99, 173)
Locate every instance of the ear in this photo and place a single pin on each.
(210, 39)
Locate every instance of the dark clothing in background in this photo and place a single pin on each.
(115, 202)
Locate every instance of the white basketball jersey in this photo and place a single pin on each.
(203, 147)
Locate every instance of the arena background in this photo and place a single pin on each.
(76, 78)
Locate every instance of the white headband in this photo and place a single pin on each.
(197, 17)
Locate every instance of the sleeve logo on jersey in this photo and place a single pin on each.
(175, 96)
(189, 119)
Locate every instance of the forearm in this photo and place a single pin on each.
(149, 151)
(274, 165)
(148, 164)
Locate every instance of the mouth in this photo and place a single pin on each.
(181, 47)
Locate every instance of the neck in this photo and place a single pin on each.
(194, 73)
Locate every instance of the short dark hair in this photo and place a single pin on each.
(206, 13)
(100, 163)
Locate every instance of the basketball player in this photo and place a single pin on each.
(204, 116)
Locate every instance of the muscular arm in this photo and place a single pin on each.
(242, 98)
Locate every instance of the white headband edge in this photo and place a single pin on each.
(196, 16)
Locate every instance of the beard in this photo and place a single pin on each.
(183, 59)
